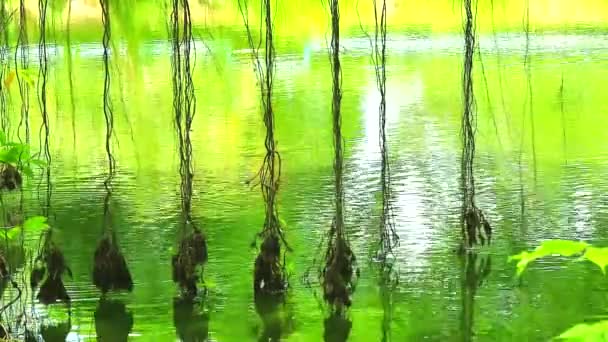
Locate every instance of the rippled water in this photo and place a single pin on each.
(559, 192)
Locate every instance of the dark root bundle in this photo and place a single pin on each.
(192, 253)
(337, 275)
(10, 178)
(478, 229)
(110, 271)
(3, 267)
(48, 270)
(269, 275)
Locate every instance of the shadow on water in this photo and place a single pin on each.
(277, 319)
(190, 320)
(475, 269)
(113, 323)
(337, 327)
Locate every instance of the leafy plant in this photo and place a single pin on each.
(18, 155)
(34, 224)
(597, 331)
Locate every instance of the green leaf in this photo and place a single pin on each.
(13, 233)
(36, 223)
(27, 171)
(2, 138)
(290, 268)
(598, 256)
(210, 284)
(587, 332)
(550, 247)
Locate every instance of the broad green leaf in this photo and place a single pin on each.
(561, 247)
(13, 154)
(2, 138)
(550, 247)
(36, 223)
(13, 233)
(598, 256)
(210, 284)
(290, 268)
(27, 171)
(586, 332)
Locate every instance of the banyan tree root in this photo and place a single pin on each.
(110, 272)
(10, 178)
(192, 253)
(48, 270)
(337, 276)
(269, 276)
(477, 227)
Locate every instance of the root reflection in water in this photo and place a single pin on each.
(337, 327)
(475, 269)
(190, 320)
(277, 319)
(113, 323)
(56, 333)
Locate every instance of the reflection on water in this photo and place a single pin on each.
(337, 327)
(435, 299)
(389, 281)
(476, 269)
(277, 318)
(190, 320)
(113, 323)
(56, 333)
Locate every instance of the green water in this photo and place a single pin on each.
(557, 192)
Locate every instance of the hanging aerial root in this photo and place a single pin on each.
(269, 271)
(49, 268)
(192, 253)
(477, 227)
(110, 272)
(337, 276)
(10, 178)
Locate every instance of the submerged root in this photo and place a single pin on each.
(49, 269)
(337, 276)
(268, 271)
(110, 271)
(477, 227)
(10, 178)
(192, 253)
